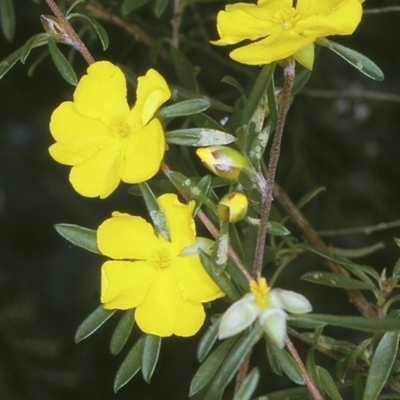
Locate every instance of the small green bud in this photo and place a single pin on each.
(223, 161)
(232, 207)
(54, 28)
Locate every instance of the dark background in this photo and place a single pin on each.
(47, 286)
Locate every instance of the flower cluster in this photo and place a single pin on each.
(282, 28)
(267, 305)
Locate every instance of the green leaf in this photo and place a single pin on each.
(397, 241)
(223, 282)
(309, 196)
(334, 280)
(7, 19)
(232, 362)
(258, 92)
(155, 211)
(230, 80)
(357, 60)
(131, 5)
(35, 41)
(122, 332)
(159, 7)
(130, 366)
(79, 236)
(275, 228)
(210, 366)
(63, 66)
(396, 269)
(357, 323)
(151, 352)
(299, 393)
(273, 103)
(249, 385)
(200, 137)
(183, 69)
(328, 384)
(381, 365)
(188, 186)
(204, 121)
(285, 363)
(100, 31)
(207, 341)
(93, 322)
(219, 255)
(7, 63)
(183, 108)
(258, 145)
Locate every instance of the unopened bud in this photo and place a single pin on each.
(223, 161)
(232, 207)
(54, 27)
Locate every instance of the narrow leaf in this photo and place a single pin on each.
(122, 332)
(183, 69)
(130, 366)
(210, 366)
(100, 31)
(7, 19)
(309, 196)
(258, 92)
(131, 5)
(7, 63)
(328, 384)
(275, 228)
(223, 282)
(35, 41)
(79, 236)
(334, 280)
(159, 7)
(357, 60)
(207, 341)
(232, 362)
(188, 186)
(155, 211)
(204, 121)
(151, 352)
(357, 323)
(249, 385)
(63, 66)
(258, 145)
(183, 108)
(93, 322)
(219, 255)
(200, 137)
(299, 393)
(381, 365)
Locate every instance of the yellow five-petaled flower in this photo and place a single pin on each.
(102, 138)
(149, 273)
(282, 28)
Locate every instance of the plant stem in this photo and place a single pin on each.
(310, 384)
(176, 22)
(213, 230)
(268, 184)
(69, 30)
(242, 373)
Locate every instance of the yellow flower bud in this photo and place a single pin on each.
(232, 207)
(223, 161)
(52, 26)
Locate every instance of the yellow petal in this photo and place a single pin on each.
(194, 282)
(125, 236)
(102, 92)
(180, 221)
(78, 138)
(143, 153)
(164, 313)
(101, 173)
(273, 48)
(152, 92)
(124, 284)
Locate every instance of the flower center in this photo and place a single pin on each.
(160, 259)
(260, 291)
(287, 17)
(119, 126)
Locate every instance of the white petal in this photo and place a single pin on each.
(273, 322)
(291, 301)
(238, 317)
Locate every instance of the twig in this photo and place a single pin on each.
(176, 23)
(297, 217)
(352, 94)
(310, 384)
(267, 187)
(381, 10)
(69, 30)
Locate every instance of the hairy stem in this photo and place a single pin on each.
(268, 184)
(69, 30)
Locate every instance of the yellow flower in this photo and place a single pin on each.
(149, 274)
(102, 138)
(279, 29)
(267, 305)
